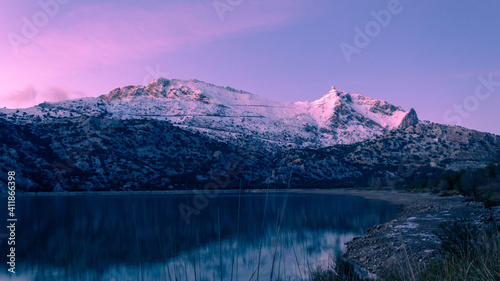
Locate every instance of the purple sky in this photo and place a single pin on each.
(440, 57)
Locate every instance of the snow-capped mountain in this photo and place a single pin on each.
(175, 134)
(227, 114)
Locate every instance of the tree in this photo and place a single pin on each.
(491, 170)
(443, 185)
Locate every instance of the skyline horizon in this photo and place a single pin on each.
(284, 102)
(435, 57)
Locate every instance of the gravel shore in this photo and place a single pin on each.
(411, 237)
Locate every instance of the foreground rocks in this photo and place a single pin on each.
(411, 238)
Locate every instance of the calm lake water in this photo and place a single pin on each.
(145, 237)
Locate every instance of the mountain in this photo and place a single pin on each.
(228, 114)
(176, 134)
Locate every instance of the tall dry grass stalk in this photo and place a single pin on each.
(469, 252)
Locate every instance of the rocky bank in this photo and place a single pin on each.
(411, 237)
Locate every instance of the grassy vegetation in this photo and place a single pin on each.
(468, 252)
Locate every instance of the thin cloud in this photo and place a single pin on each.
(20, 98)
(29, 96)
(106, 34)
(54, 94)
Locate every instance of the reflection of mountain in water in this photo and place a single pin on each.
(132, 235)
(297, 252)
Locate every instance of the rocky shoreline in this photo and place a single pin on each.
(411, 238)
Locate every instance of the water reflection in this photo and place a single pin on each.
(146, 238)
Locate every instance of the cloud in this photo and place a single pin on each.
(109, 33)
(54, 94)
(20, 97)
(29, 96)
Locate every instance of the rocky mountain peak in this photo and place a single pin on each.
(345, 108)
(410, 119)
(123, 93)
(158, 88)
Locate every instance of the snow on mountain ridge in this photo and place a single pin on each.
(365, 109)
(226, 113)
(195, 90)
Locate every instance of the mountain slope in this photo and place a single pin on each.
(88, 153)
(419, 150)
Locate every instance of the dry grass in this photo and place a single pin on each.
(340, 270)
(469, 252)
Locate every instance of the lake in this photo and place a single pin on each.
(145, 237)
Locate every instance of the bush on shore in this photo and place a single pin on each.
(482, 185)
